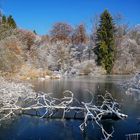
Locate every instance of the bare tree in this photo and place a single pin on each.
(122, 28)
(94, 24)
(79, 36)
(61, 32)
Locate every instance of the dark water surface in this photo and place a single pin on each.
(34, 128)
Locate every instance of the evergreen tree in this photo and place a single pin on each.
(105, 47)
(4, 20)
(34, 31)
(11, 22)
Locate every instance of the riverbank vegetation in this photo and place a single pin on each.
(111, 47)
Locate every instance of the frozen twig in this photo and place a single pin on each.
(18, 98)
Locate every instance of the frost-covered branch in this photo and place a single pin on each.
(18, 98)
(132, 87)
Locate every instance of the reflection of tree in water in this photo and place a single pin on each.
(97, 133)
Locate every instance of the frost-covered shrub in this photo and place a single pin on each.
(11, 92)
(134, 34)
(127, 57)
(132, 87)
(87, 67)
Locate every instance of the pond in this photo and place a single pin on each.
(33, 128)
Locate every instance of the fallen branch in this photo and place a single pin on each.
(22, 99)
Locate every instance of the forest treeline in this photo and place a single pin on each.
(111, 47)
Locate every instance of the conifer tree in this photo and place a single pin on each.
(11, 22)
(105, 47)
(4, 19)
(34, 31)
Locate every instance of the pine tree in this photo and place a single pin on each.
(11, 22)
(105, 47)
(34, 31)
(4, 19)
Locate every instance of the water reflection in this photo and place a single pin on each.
(33, 128)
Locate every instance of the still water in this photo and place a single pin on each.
(34, 128)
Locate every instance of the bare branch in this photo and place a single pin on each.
(18, 98)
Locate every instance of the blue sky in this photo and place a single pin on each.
(42, 14)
